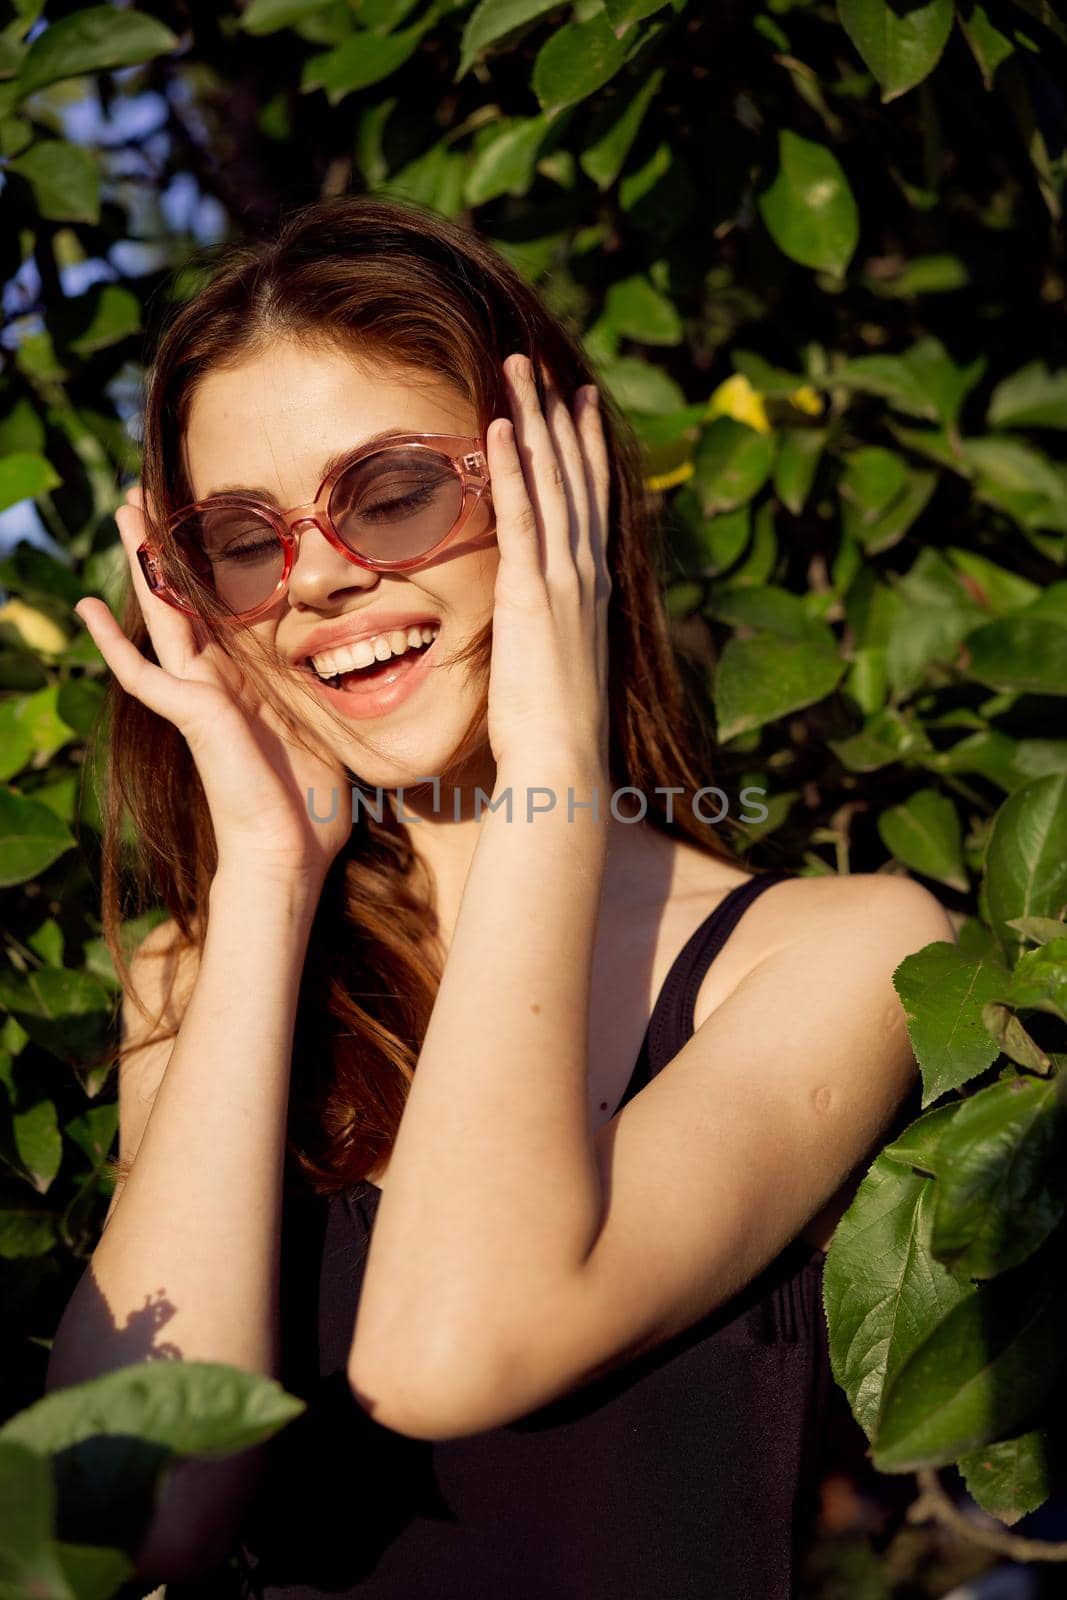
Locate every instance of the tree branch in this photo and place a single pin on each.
(935, 1504)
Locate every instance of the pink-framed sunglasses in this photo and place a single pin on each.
(386, 506)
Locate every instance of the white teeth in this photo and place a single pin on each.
(350, 657)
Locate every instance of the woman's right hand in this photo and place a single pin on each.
(256, 776)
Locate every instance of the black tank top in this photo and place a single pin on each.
(686, 1475)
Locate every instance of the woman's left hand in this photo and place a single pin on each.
(551, 497)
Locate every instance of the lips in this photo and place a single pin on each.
(329, 637)
(379, 697)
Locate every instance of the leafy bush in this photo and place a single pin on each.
(817, 255)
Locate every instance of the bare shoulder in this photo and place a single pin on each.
(826, 927)
(877, 910)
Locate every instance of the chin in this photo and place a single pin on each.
(378, 769)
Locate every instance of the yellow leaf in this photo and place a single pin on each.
(33, 627)
(736, 398)
(668, 480)
(805, 399)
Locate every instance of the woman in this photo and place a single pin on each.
(589, 1356)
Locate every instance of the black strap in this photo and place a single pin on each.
(671, 1022)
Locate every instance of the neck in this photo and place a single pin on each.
(444, 819)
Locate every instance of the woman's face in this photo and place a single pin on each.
(271, 424)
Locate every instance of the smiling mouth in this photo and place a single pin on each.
(353, 673)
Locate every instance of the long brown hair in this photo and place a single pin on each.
(392, 280)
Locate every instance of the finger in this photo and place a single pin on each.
(598, 478)
(170, 631)
(150, 684)
(516, 520)
(544, 475)
(569, 454)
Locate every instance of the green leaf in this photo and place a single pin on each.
(682, 599)
(268, 16)
(887, 735)
(933, 274)
(988, 44)
(507, 163)
(918, 1145)
(94, 1131)
(612, 132)
(38, 1142)
(16, 739)
(1009, 464)
(809, 209)
(769, 607)
(577, 60)
(111, 1437)
(64, 177)
(25, 1231)
(1021, 653)
(1039, 981)
(31, 838)
(1033, 397)
(901, 44)
(110, 313)
(762, 557)
(981, 1371)
(622, 14)
(799, 454)
(39, 714)
(987, 751)
(492, 21)
(29, 1565)
(1040, 929)
(890, 527)
(873, 478)
(882, 1288)
(1010, 1478)
(731, 465)
(774, 382)
(638, 311)
(924, 833)
(191, 1408)
(64, 1011)
(923, 382)
(1026, 858)
(943, 992)
(639, 386)
(1000, 1189)
(707, 544)
(992, 585)
(760, 679)
(435, 178)
(362, 59)
(94, 39)
(1001, 1021)
(24, 476)
(93, 1571)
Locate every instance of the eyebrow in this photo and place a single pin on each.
(328, 466)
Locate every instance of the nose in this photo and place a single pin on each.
(320, 573)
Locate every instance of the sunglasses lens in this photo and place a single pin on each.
(227, 556)
(397, 504)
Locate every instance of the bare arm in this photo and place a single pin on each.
(187, 1265)
(523, 1257)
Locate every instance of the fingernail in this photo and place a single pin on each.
(592, 395)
